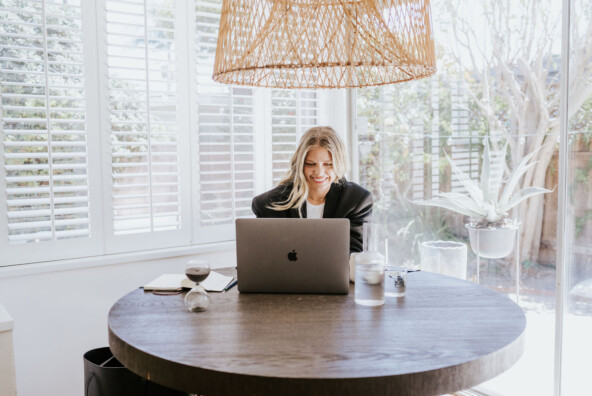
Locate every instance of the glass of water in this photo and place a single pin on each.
(369, 287)
(395, 281)
(369, 270)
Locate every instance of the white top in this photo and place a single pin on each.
(314, 211)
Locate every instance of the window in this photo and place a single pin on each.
(43, 124)
(292, 113)
(226, 117)
(488, 82)
(575, 312)
(115, 137)
(144, 128)
(45, 172)
(404, 133)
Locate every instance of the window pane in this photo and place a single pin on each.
(577, 324)
(292, 113)
(226, 125)
(43, 121)
(405, 133)
(491, 86)
(143, 115)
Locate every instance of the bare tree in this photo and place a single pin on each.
(509, 53)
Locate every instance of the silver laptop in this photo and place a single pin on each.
(293, 255)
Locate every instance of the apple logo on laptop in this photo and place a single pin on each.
(292, 256)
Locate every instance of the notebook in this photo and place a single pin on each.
(171, 282)
(293, 255)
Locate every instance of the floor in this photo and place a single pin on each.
(533, 374)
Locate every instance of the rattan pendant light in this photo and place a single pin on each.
(324, 43)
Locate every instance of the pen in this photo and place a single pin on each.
(231, 285)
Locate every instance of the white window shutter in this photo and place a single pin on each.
(237, 125)
(44, 142)
(292, 113)
(141, 50)
(226, 137)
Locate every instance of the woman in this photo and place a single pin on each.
(315, 186)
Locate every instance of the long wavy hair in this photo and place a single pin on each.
(323, 137)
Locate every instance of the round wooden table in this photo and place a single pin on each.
(443, 336)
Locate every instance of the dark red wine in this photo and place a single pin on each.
(197, 274)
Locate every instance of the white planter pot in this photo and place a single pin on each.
(444, 257)
(493, 242)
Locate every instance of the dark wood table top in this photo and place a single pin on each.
(443, 336)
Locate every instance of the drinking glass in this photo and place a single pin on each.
(197, 299)
(395, 281)
(369, 269)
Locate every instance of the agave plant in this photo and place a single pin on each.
(486, 202)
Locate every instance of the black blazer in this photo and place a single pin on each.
(344, 200)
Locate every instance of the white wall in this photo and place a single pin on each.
(60, 315)
(7, 377)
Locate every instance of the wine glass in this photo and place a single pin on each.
(197, 299)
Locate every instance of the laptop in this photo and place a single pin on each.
(292, 255)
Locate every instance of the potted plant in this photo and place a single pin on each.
(487, 203)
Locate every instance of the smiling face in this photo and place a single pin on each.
(319, 173)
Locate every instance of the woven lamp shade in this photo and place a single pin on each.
(324, 43)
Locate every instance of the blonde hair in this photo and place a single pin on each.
(324, 137)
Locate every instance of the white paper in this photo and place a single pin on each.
(216, 282)
(170, 282)
(166, 282)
